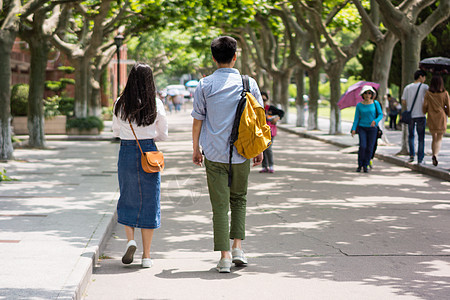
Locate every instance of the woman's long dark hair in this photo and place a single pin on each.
(436, 84)
(138, 100)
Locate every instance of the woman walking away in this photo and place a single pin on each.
(436, 104)
(367, 115)
(139, 202)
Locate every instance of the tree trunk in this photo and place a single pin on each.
(7, 38)
(314, 77)
(381, 67)
(95, 106)
(299, 101)
(411, 45)
(81, 66)
(39, 49)
(284, 93)
(244, 57)
(334, 74)
(276, 88)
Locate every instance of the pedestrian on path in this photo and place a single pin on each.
(392, 112)
(367, 115)
(273, 115)
(416, 91)
(436, 105)
(379, 131)
(139, 202)
(215, 102)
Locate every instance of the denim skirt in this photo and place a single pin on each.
(139, 202)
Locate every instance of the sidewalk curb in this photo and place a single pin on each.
(424, 169)
(78, 280)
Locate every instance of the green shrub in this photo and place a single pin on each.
(66, 81)
(54, 86)
(51, 106)
(19, 99)
(66, 106)
(85, 123)
(66, 69)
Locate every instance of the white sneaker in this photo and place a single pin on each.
(224, 265)
(147, 263)
(238, 257)
(127, 258)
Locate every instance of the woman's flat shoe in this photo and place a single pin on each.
(435, 161)
(147, 263)
(127, 258)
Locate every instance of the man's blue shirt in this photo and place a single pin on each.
(215, 101)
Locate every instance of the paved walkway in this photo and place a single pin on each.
(315, 230)
(55, 221)
(54, 218)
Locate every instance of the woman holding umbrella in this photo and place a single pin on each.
(367, 115)
(437, 105)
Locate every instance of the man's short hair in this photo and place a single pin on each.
(419, 73)
(223, 49)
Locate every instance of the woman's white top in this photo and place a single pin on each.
(157, 131)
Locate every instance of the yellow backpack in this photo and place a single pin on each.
(250, 134)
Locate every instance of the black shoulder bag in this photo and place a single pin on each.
(406, 115)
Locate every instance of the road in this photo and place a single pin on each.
(316, 229)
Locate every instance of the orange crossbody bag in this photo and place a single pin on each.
(151, 161)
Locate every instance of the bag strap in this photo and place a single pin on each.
(137, 141)
(376, 108)
(246, 83)
(415, 97)
(237, 119)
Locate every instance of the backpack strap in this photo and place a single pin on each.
(246, 83)
(237, 120)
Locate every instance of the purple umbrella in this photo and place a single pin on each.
(351, 97)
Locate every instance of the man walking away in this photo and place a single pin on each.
(215, 102)
(418, 120)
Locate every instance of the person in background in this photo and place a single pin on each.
(367, 115)
(392, 111)
(273, 115)
(139, 201)
(177, 101)
(418, 122)
(437, 105)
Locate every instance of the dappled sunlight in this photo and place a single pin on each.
(193, 218)
(187, 237)
(437, 268)
(379, 219)
(441, 206)
(313, 263)
(299, 225)
(443, 248)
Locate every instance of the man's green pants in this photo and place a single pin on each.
(224, 198)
